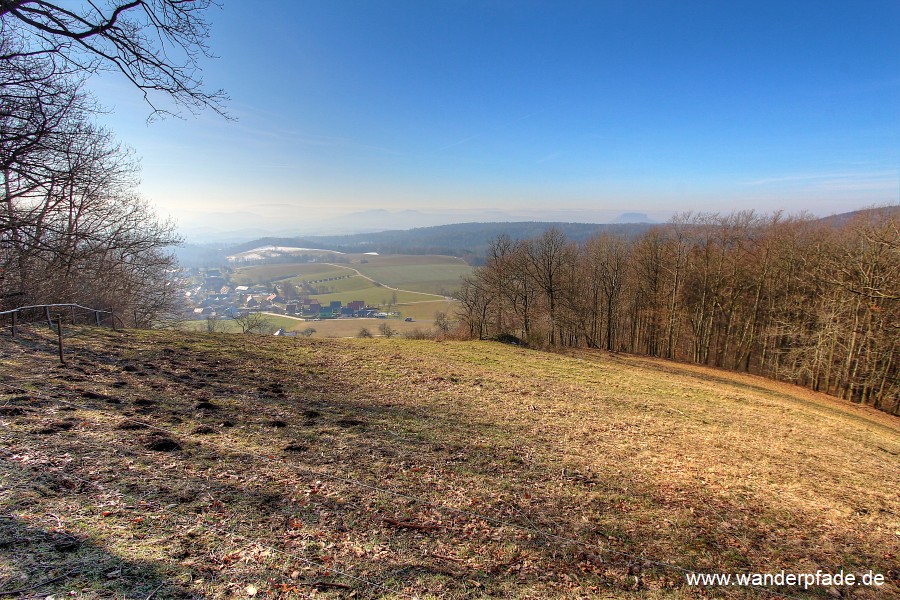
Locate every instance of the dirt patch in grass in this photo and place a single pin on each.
(424, 469)
(204, 430)
(131, 426)
(56, 427)
(162, 444)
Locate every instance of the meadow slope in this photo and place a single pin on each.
(177, 465)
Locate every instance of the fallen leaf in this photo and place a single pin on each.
(251, 590)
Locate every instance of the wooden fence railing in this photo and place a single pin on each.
(54, 313)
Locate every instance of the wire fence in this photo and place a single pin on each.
(633, 558)
(55, 314)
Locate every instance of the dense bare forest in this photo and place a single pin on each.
(810, 301)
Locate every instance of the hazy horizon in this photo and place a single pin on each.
(588, 109)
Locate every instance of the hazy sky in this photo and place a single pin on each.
(530, 106)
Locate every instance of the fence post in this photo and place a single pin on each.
(113, 317)
(15, 318)
(97, 317)
(49, 321)
(73, 314)
(62, 359)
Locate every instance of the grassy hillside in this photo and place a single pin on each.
(181, 465)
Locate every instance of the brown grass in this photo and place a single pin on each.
(396, 468)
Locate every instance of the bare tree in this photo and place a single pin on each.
(475, 300)
(386, 330)
(155, 44)
(546, 258)
(610, 255)
(251, 321)
(441, 322)
(213, 324)
(71, 228)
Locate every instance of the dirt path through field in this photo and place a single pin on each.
(387, 287)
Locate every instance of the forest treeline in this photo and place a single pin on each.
(810, 301)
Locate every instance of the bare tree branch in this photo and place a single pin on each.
(156, 44)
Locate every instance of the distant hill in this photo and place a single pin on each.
(633, 217)
(877, 213)
(466, 240)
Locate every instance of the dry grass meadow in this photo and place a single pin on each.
(177, 465)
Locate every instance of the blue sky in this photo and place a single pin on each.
(580, 108)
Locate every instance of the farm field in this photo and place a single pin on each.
(424, 311)
(345, 328)
(264, 273)
(226, 325)
(174, 465)
(374, 296)
(427, 274)
(329, 328)
(431, 274)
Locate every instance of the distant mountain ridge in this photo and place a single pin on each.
(466, 240)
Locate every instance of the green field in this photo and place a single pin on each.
(430, 274)
(226, 325)
(374, 296)
(423, 315)
(326, 328)
(340, 283)
(267, 273)
(424, 311)
(344, 328)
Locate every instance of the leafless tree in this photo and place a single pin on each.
(213, 324)
(154, 44)
(441, 322)
(251, 321)
(546, 257)
(71, 227)
(475, 300)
